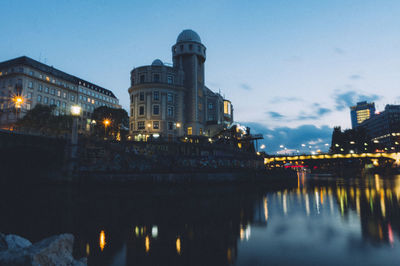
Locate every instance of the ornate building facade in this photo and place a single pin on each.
(38, 83)
(172, 100)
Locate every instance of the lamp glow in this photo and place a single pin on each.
(76, 110)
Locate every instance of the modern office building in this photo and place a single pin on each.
(384, 128)
(38, 83)
(172, 100)
(360, 112)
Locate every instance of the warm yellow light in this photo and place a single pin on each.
(178, 125)
(148, 125)
(147, 243)
(178, 245)
(106, 122)
(102, 240)
(18, 101)
(76, 110)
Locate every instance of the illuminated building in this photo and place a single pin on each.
(39, 83)
(172, 100)
(361, 112)
(384, 128)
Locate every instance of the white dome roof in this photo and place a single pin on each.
(188, 36)
(157, 62)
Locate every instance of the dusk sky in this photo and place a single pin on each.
(290, 68)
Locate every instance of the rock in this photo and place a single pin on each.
(56, 250)
(14, 241)
(3, 242)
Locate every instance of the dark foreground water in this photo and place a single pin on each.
(321, 221)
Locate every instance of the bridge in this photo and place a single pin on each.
(305, 160)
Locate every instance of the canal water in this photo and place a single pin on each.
(321, 220)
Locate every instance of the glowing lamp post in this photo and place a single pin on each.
(18, 102)
(75, 112)
(106, 123)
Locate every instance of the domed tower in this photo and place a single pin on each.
(189, 55)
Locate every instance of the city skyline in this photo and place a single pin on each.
(292, 70)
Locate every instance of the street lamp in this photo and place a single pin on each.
(18, 102)
(75, 112)
(106, 123)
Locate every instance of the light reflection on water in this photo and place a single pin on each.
(319, 220)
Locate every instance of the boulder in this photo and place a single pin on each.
(3, 242)
(14, 241)
(56, 250)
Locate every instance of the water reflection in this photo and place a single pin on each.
(320, 219)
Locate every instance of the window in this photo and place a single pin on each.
(141, 96)
(64, 95)
(58, 103)
(72, 98)
(80, 97)
(140, 125)
(39, 98)
(210, 106)
(170, 97)
(210, 118)
(170, 79)
(28, 106)
(156, 109)
(156, 124)
(142, 78)
(46, 100)
(40, 87)
(30, 85)
(156, 78)
(58, 93)
(52, 91)
(170, 111)
(46, 90)
(31, 73)
(156, 96)
(200, 106)
(51, 101)
(189, 131)
(29, 95)
(141, 110)
(170, 126)
(64, 105)
(198, 48)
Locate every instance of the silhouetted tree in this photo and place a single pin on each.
(119, 122)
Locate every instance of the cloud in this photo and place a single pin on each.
(338, 50)
(349, 98)
(284, 99)
(323, 111)
(275, 115)
(355, 77)
(246, 87)
(292, 138)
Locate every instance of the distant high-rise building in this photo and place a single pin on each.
(361, 112)
(384, 128)
(38, 83)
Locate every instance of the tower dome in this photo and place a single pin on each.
(188, 36)
(157, 62)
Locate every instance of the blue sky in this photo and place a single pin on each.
(291, 68)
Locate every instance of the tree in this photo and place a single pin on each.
(41, 119)
(118, 122)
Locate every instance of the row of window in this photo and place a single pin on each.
(156, 96)
(190, 46)
(97, 95)
(141, 125)
(156, 110)
(156, 79)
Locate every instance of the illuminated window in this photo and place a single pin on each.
(156, 125)
(201, 131)
(189, 131)
(46, 100)
(64, 95)
(46, 90)
(363, 115)
(47, 78)
(227, 107)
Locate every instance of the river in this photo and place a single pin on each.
(322, 220)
